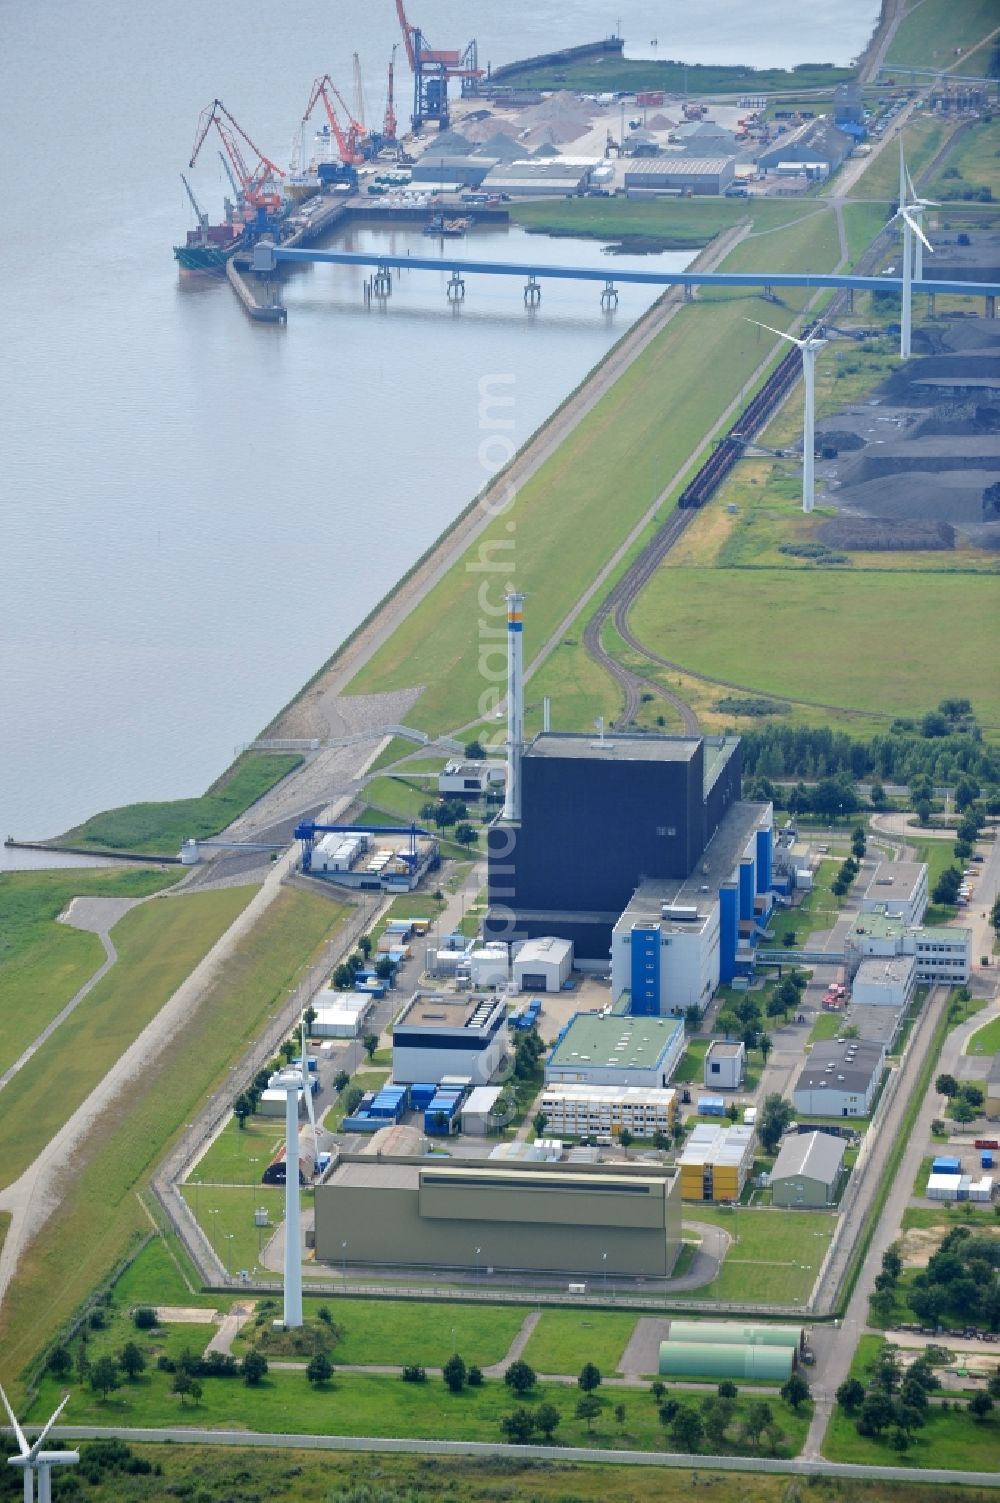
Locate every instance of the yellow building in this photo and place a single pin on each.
(716, 1162)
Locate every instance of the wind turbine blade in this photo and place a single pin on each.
(310, 1109)
(780, 333)
(19, 1433)
(41, 1438)
(914, 226)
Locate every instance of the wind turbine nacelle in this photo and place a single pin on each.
(57, 1458)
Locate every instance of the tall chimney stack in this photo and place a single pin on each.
(515, 705)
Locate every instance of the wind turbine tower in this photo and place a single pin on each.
(33, 1459)
(291, 1082)
(515, 705)
(910, 211)
(810, 348)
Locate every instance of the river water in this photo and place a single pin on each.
(195, 510)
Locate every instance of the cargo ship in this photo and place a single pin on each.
(209, 247)
(449, 229)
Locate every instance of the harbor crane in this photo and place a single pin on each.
(200, 214)
(258, 188)
(348, 143)
(389, 126)
(431, 71)
(359, 93)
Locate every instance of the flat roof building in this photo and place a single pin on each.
(538, 1218)
(543, 965)
(442, 1033)
(808, 1170)
(877, 1025)
(716, 1161)
(471, 778)
(885, 983)
(725, 1064)
(611, 1049)
(678, 172)
(602, 1111)
(840, 1079)
(898, 889)
(942, 952)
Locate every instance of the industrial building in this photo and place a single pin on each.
(898, 890)
(808, 1170)
(471, 779)
(677, 939)
(342, 1019)
(610, 1049)
(390, 860)
(442, 1034)
(729, 1349)
(840, 1079)
(877, 1025)
(679, 173)
(716, 1162)
(543, 965)
(479, 1111)
(601, 1112)
(594, 818)
(885, 983)
(567, 1220)
(820, 144)
(545, 177)
(941, 954)
(725, 1065)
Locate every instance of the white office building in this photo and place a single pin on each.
(943, 954)
(840, 1079)
(725, 1065)
(596, 1111)
(442, 1034)
(898, 890)
(885, 983)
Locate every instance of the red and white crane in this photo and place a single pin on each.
(349, 141)
(258, 187)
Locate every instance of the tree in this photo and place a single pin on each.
(60, 1363)
(850, 1394)
(626, 1139)
(319, 1369)
(658, 1388)
(254, 1368)
(370, 1044)
(474, 1377)
(877, 797)
(144, 1318)
(182, 1384)
(727, 1389)
(340, 1080)
(728, 1022)
(962, 850)
(756, 1420)
(455, 1373)
(962, 1110)
(518, 1426)
(667, 1411)
(775, 1115)
(692, 1015)
(465, 833)
(717, 1415)
(995, 915)
(538, 1122)
(343, 978)
(621, 1414)
(923, 810)
(661, 1140)
(892, 1263)
(946, 1085)
(104, 1376)
(520, 1377)
(547, 1419)
(590, 1377)
(732, 1111)
(132, 1360)
(765, 1044)
(287, 1050)
(385, 970)
(365, 945)
(946, 887)
(795, 1391)
(588, 1407)
(858, 841)
(877, 1414)
(474, 751)
(686, 1429)
(242, 1109)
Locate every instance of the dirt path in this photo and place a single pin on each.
(95, 916)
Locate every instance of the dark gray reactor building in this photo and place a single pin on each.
(599, 816)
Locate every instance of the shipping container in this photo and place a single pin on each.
(946, 1164)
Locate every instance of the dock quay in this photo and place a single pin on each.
(257, 294)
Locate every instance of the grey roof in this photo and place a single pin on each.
(817, 1155)
(894, 881)
(892, 971)
(875, 1022)
(614, 747)
(728, 1051)
(678, 166)
(716, 865)
(849, 1066)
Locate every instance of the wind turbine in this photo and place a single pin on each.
(33, 1459)
(916, 207)
(310, 1107)
(810, 347)
(909, 213)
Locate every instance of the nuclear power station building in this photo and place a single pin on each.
(637, 848)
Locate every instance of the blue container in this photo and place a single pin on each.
(711, 1106)
(422, 1096)
(944, 1164)
(986, 1160)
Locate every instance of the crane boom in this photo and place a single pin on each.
(201, 215)
(259, 187)
(347, 144)
(409, 33)
(359, 93)
(389, 125)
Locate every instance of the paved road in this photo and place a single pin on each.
(245, 1439)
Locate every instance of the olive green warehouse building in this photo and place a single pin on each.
(573, 1219)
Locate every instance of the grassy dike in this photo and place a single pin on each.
(578, 508)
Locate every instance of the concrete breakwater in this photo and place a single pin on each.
(609, 47)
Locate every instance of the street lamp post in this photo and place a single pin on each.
(478, 1251)
(214, 1226)
(343, 1261)
(229, 1254)
(604, 1259)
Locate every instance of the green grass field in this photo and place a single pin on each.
(239, 1156)
(158, 945)
(693, 611)
(611, 72)
(976, 158)
(775, 1260)
(952, 1440)
(985, 1040)
(923, 136)
(42, 963)
(225, 1215)
(565, 529)
(162, 827)
(100, 1216)
(359, 1404)
(291, 1476)
(397, 1332)
(931, 34)
(564, 1340)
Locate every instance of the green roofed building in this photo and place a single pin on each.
(728, 1332)
(707, 1359)
(609, 1049)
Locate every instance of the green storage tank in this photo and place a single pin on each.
(706, 1359)
(730, 1332)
